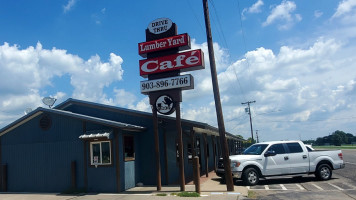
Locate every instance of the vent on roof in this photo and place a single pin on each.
(45, 122)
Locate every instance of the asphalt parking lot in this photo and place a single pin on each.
(341, 186)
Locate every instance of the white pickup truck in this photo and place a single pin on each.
(282, 158)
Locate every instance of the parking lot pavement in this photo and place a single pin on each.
(306, 188)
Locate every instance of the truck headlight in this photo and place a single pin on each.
(235, 164)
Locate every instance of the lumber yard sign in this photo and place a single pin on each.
(181, 41)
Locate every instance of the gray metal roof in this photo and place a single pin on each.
(202, 127)
(40, 110)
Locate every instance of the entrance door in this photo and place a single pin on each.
(129, 156)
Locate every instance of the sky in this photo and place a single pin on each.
(296, 59)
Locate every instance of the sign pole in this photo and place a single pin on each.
(158, 165)
(180, 147)
(227, 167)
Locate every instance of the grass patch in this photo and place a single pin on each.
(161, 194)
(185, 194)
(252, 194)
(188, 194)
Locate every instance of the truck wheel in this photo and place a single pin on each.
(323, 172)
(250, 177)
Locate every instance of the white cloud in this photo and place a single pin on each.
(124, 98)
(26, 72)
(344, 7)
(283, 14)
(318, 13)
(69, 5)
(255, 8)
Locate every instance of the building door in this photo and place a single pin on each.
(129, 156)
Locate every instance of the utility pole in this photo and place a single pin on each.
(214, 79)
(257, 140)
(249, 112)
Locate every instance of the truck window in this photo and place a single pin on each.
(277, 148)
(255, 149)
(294, 147)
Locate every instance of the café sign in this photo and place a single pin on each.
(185, 61)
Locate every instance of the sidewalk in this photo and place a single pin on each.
(208, 186)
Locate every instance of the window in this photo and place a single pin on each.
(277, 148)
(100, 153)
(129, 149)
(294, 147)
(255, 149)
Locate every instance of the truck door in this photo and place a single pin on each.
(278, 164)
(299, 160)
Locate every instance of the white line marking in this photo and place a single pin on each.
(300, 187)
(339, 188)
(217, 193)
(248, 187)
(233, 193)
(282, 186)
(317, 186)
(204, 195)
(266, 187)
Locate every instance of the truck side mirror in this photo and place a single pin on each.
(270, 153)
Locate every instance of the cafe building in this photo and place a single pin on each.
(93, 147)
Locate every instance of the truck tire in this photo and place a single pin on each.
(250, 177)
(323, 172)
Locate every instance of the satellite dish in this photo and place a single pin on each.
(49, 101)
(28, 110)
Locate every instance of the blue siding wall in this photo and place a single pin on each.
(40, 161)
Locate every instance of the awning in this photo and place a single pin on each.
(102, 134)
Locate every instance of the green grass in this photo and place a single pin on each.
(186, 194)
(252, 195)
(161, 194)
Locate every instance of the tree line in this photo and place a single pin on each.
(336, 138)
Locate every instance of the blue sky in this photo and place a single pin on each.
(295, 58)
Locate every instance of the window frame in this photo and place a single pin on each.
(101, 153)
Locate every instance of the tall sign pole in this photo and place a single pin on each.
(165, 84)
(214, 78)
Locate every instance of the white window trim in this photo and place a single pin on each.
(101, 155)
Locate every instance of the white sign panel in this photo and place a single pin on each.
(186, 82)
(160, 25)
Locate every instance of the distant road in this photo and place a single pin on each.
(350, 169)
